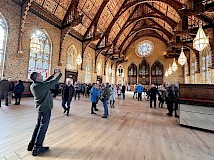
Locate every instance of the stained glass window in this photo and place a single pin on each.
(186, 71)
(120, 71)
(145, 48)
(88, 66)
(113, 75)
(3, 38)
(71, 58)
(40, 54)
(206, 63)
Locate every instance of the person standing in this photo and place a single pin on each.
(4, 88)
(94, 95)
(104, 98)
(18, 90)
(139, 91)
(10, 90)
(67, 94)
(123, 90)
(170, 97)
(113, 92)
(152, 93)
(43, 103)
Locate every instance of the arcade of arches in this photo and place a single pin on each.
(119, 42)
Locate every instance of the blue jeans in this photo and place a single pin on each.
(41, 128)
(105, 105)
(68, 104)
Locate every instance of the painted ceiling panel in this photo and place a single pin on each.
(60, 12)
(56, 7)
(127, 42)
(65, 3)
(50, 5)
(80, 29)
(39, 1)
(167, 10)
(120, 40)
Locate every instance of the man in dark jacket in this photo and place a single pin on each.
(4, 88)
(67, 94)
(152, 93)
(104, 98)
(18, 90)
(43, 103)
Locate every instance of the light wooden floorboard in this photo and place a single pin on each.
(133, 131)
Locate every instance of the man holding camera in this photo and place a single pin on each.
(43, 103)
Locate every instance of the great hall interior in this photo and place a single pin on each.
(123, 42)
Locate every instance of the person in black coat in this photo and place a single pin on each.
(18, 90)
(67, 94)
(152, 93)
(123, 91)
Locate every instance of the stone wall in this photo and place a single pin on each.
(13, 64)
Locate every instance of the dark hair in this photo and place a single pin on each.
(33, 76)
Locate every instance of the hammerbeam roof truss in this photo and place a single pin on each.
(119, 21)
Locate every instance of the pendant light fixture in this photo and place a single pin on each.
(182, 58)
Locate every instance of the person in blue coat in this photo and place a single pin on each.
(94, 95)
(140, 89)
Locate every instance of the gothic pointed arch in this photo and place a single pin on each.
(157, 73)
(3, 42)
(40, 54)
(88, 68)
(144, 72)
(132, 74)
(71, 63)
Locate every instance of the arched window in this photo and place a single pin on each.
(88, 66)
(157, 73)
(132, 74)
(3, 41)
(99, 67)
(144, 72)
(186, 73)
(120, 71)
(40, 54)
(71, 63)
(194, 69)
(113, 75)
(206, 63)
(107, 73)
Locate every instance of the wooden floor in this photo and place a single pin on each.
(132, 131)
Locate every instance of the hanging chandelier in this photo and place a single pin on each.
(34, 44)
(182, 58)
(79, 59)
(201, 40)
(166, 73)
(169, 70)
(174, 66)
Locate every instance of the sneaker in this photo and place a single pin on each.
(37, 151)
(30, 146)
(96, 109)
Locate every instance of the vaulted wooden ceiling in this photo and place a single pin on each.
(110, 26)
